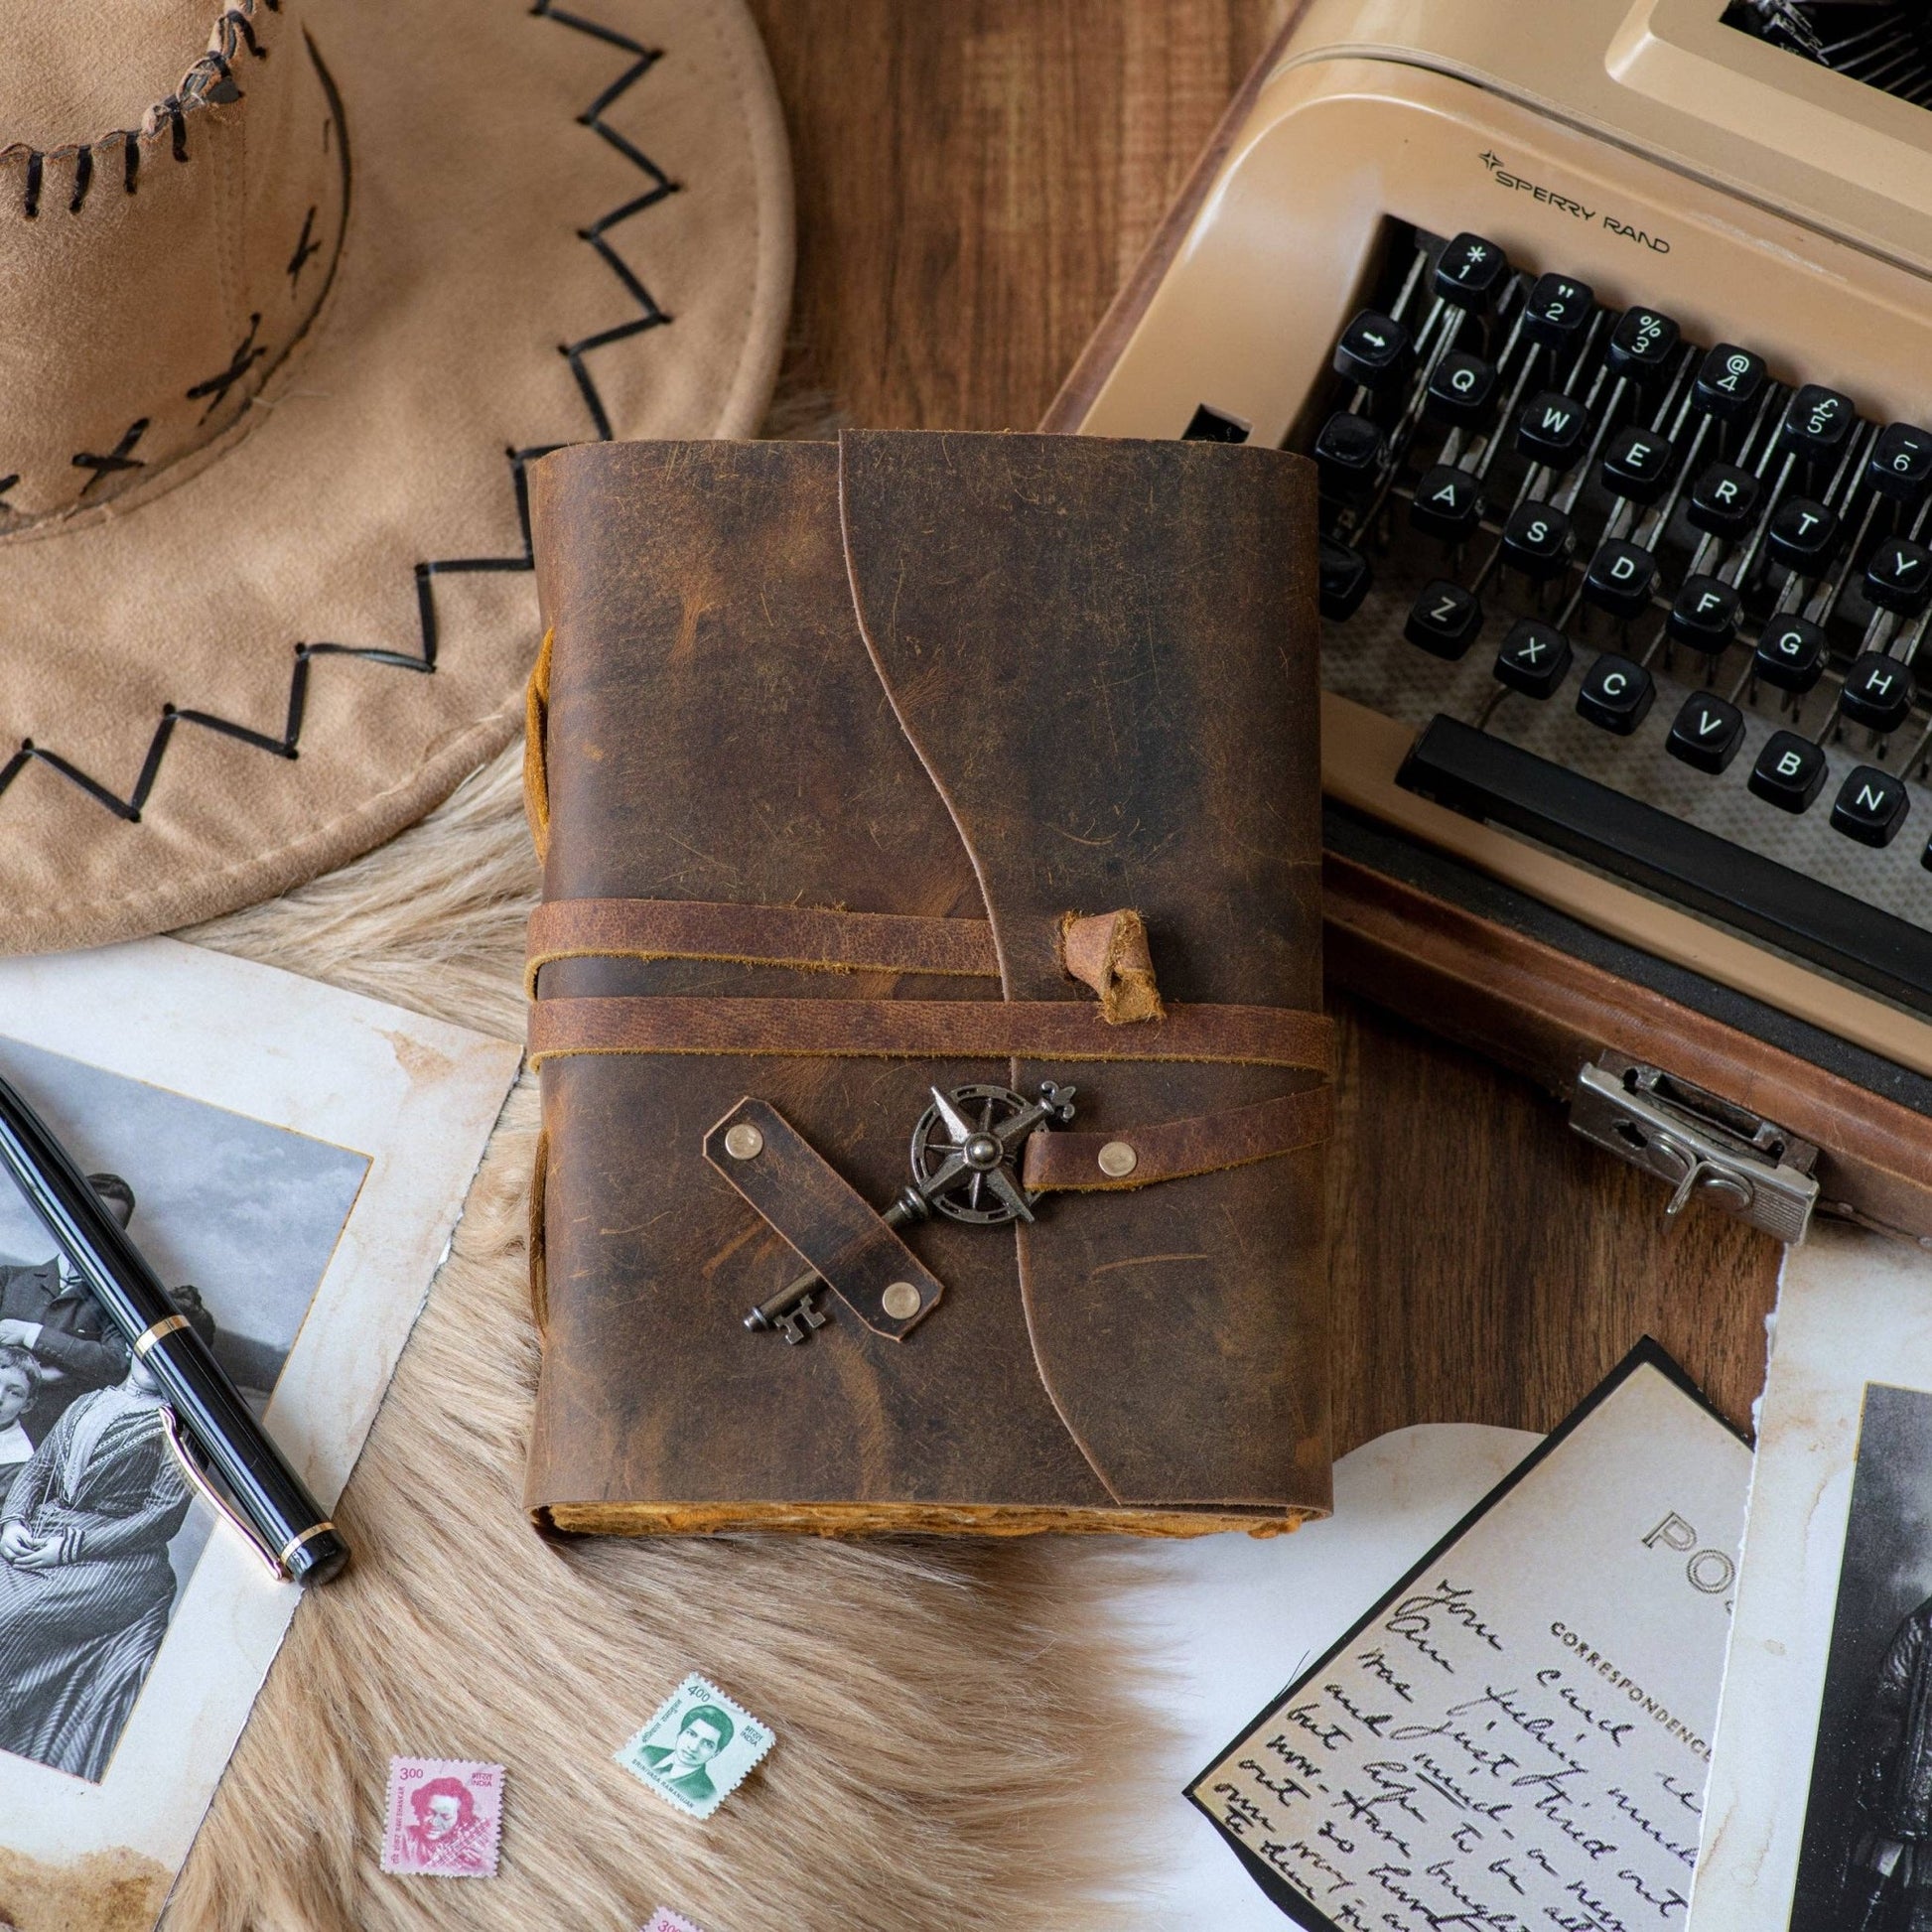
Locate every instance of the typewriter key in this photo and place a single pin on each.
(1470, 271)
(1705, 615)
(1534, 660)
(1789, 772)
(1616, 694)
(1791, 655)
(1553, 429)
(1707, 732)
(1870, 806)
(1445, 620)
(1620, 578)
(1729, 382)
(1879, 692)
(1900, 465)
(1898, 575)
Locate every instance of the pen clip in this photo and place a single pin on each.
(197, 1481)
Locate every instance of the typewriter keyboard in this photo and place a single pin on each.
(1647, 600)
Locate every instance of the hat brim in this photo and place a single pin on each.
(486, 306)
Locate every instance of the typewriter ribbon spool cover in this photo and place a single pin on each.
(926, 989)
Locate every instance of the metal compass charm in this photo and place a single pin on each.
(966, 1154)
(966, 1149)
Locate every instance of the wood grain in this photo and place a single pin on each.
(975, 179)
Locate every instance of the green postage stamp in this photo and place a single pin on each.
(698, 1747)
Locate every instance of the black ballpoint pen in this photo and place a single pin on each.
(277, 1513)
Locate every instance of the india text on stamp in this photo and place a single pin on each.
(445, 1818)
(666, 1920)
(697, 1749)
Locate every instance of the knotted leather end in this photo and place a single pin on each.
(1108, 951)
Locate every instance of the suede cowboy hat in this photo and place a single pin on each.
(291, 293)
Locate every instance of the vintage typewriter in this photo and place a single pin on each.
(1611, 329)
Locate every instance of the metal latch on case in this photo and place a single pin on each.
(1706, 1147)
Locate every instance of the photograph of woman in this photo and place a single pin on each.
(85, 1584)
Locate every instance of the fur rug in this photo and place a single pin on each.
(948, 1754)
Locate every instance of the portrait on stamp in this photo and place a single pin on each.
(697, 1749)
(97, 1535)
(445, 1818)
(1865, 1863)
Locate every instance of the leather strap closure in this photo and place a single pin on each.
(826, 1222)
(811, 938)
(929, 1029)
(1171, 1150)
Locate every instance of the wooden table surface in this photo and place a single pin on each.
(975, 178)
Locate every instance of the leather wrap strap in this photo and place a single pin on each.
(1171, 1150)
(936, 1029)
(811, 938)
(825, 1223)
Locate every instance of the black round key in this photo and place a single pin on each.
(1462, 389)
(1789, 772)
(1538, 541)
(1350, 451)
(1639, 464)
(1707, 732)
(1871, 806)
(1816, 423)
(1803, 535)
(1900, 464)
(1444, 619)
(1879, 692)
(1344, 579)
(1898, 575)
(1642, 344)
(1791, 653)
(1729, 382)
(1553, 429)
(1447, 503)
(1372, 349)
(1620, 578)
(1534, 660)
(1705, 615)
(1723, 500)
(1558, 312)
(1470, 271)
(1616, 694)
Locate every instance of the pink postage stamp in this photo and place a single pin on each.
(445, 1818)
(666, 1920)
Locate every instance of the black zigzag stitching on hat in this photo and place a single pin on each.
(652, 316)
(286, 745)
(423, 659)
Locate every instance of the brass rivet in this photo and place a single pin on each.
(744, 1142)
(901, 1301)
(1118, 1159)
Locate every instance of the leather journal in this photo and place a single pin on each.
(926, 989)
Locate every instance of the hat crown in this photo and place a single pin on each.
(172, 198)
(78, 68)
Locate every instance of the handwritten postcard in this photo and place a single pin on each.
(1518, 1734)
(1820, 1810)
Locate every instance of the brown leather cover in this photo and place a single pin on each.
(1012, 681)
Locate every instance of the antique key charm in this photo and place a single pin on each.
(965, 1155)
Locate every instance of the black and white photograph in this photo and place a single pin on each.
(100, 1532)
(1866, 1858)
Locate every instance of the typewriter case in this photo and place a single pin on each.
(1734, 997)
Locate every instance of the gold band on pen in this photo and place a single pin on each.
(166, 1326)
(307, 1536)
